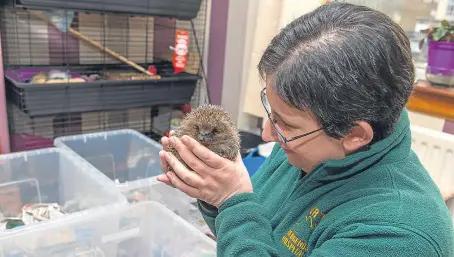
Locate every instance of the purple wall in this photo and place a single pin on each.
(4, 133)
(216, 50)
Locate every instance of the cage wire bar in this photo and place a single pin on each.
(37, 113)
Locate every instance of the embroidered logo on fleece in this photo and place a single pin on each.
(315, 217)
(297, 246)
(292, 241)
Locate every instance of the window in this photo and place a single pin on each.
(450, 10)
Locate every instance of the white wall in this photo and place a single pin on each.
(292, 9)
(240, 35)
(251, 26)
(426, 121)
(234, 54)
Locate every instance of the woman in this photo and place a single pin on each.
(343, 180)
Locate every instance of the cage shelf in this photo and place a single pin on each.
(179, 9)
(98, 95)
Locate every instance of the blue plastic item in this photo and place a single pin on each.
(252, 162)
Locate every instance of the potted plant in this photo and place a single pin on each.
(440, 61)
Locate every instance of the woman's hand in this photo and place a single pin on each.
(165, 141)
(213, 180)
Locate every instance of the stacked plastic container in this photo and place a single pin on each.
(145, 229)
(92, 173)
(51, 176)
(131, 160)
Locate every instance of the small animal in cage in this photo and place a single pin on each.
(39, 78)
(54, 76)
(214, 128)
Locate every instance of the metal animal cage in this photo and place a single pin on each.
(69, 71)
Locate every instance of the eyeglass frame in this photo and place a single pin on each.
(281, 137)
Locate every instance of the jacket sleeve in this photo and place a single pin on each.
(380, 240)
(243, 229)
(209, 213)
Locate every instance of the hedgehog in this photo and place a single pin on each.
(213, 127)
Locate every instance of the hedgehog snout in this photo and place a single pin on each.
(205, 137)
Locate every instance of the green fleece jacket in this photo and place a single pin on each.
(379, 202)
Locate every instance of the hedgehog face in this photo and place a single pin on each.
(209, 125)
(212, 127)
(206, 132)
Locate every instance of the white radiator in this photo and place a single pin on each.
(436, 151)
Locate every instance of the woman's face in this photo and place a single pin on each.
(308, 151)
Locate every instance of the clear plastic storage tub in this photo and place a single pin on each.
(125, 156)
(51, 176)
(145, 229)
(173, 199)
(132, 160)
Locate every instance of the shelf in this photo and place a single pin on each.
(100, 95)
(179, 9)
(431, 100)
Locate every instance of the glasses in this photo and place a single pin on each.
(282, 138)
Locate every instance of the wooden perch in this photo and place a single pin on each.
(81, 36)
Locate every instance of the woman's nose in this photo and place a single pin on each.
(268, 134)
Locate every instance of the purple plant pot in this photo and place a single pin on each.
(440, 64)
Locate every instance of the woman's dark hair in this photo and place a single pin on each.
(345, 63)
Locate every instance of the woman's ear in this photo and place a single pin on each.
(359, 136)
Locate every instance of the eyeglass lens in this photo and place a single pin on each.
(268, 110)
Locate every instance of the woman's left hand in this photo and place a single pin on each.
(213, 180)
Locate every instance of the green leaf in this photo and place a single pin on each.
(14, 224)
(439, 33)
(445, 24)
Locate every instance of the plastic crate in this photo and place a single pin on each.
(249, 142)
(123, 155)
(131, 159)
(52, 175)
(180, 9)
(100, 95)
(253, 162)
(143, 229)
